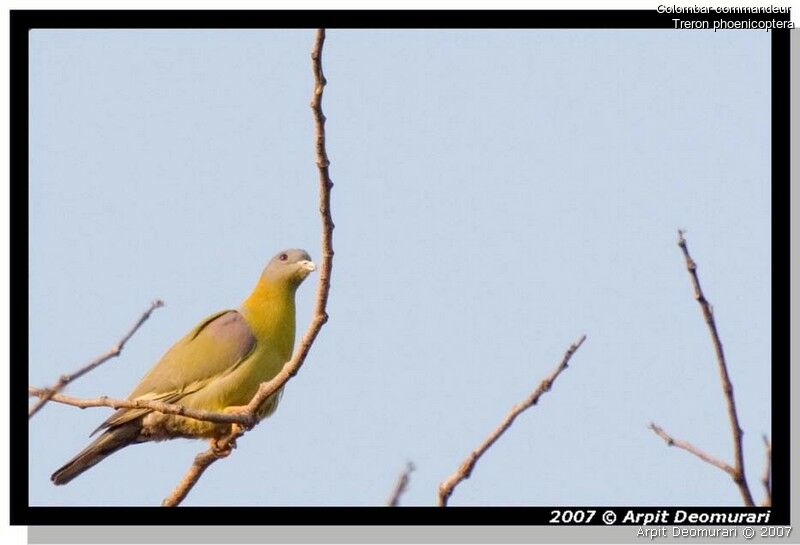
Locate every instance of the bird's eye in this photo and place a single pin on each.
(283, 257)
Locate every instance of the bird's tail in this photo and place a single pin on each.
(109, 442)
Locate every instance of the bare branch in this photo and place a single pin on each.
(766, 479)
(201, 462)
(400, 486)
(159, 406)
(727, 387)
(687, 446)
(320, 316)
(112, 353)
(465, 470)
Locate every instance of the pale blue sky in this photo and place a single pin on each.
(498, 193)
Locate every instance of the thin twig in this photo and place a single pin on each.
(112, 353)
(687, 446)
(400, 486)
(196, 470)
(290, 368)
(727, 387)
(159, 406)
(465, 470)
(766, 479)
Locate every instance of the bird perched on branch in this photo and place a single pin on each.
(217, 366)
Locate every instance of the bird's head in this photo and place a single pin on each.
(289, 267)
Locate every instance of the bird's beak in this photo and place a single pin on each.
(307, 265)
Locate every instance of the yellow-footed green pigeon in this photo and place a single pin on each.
(217, 366)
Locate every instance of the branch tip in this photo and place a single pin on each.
(401, 485)
(114, 351)
(737, 471)
(464, 471)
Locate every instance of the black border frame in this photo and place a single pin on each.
(21, 21)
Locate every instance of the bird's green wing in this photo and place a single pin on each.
(215, 347)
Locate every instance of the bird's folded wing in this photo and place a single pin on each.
(215, 347)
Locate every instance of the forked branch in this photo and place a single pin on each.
(737, 470)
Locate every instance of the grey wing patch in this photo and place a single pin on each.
(231, 327)
(231, 342)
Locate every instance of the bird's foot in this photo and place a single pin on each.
(223, 447)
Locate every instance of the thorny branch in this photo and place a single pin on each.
(465, 470)
(737, 470)
(49, 393)
(320, 316)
